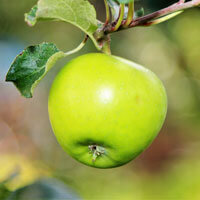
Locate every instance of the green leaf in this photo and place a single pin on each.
(77, 12)
(30, 18)
(31, 66)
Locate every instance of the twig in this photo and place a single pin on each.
(147, 19)
(173, 8)
(107, 12)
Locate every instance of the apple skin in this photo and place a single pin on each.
(105, 110)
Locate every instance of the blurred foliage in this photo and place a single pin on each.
(25, 171)
(44, 189)
(168, 170)
(4, 192)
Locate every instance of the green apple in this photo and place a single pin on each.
(106, 110)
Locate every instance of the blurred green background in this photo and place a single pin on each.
(168, 170)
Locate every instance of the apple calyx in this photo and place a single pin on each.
(96, 151)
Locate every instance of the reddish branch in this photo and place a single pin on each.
(144, 20)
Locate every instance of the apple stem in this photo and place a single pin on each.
(106, 47)
(96, 151)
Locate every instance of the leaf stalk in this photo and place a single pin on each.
(120, 18)
(130, 14)
(80, 46)
(107, 12)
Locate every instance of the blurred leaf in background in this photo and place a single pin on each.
(4, 192)
(26, 171)
(44, 189)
